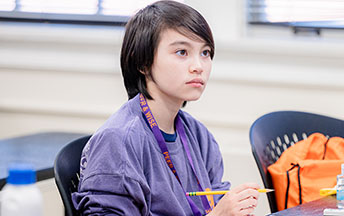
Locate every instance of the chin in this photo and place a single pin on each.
(193, 97)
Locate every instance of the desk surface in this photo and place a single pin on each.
(38, 149)
(314, 208)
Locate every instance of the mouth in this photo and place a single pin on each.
(196, 82)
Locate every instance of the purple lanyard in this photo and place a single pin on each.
(160, 139)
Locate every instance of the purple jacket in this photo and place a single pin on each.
(123, 171)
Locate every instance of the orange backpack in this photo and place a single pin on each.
(306, 167)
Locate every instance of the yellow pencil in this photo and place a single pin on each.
(202, 193)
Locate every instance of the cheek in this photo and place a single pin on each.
(207, 69)
(164, 72)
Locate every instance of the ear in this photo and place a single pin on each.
(143, 72)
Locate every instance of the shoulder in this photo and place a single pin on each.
(120, 131)
(119, 140)
(126, 121)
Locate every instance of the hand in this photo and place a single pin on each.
(239, 201)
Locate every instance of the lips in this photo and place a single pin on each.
(196, 81)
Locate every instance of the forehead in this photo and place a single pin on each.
(170, 35)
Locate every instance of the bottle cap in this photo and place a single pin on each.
(20, 174)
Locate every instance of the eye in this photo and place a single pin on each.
(205, 53)
(181, 52)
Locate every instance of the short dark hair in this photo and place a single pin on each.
(142, 37)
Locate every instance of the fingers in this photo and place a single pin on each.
(239, 201)
(245, 194)
(247, 211)
(248, 203)
(245, 191)
(247, 198)
(245, 186)
(245, 207)
(249, 207)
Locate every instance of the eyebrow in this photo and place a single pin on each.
(180, 43)
(175, 43)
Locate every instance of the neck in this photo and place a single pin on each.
(164, 112)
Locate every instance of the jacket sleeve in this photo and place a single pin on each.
(111, 180)
(104, 195)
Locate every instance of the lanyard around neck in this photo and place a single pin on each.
(163, 147)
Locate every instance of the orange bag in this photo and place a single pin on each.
(310, 165)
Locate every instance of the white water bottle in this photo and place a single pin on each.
(20, 195)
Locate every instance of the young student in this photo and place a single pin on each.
(148, 154)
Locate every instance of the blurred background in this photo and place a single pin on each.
(60, 71)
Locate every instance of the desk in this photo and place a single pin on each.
(314, 208)
(39, 149)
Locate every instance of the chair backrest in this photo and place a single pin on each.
(66, 169)
(274, 132)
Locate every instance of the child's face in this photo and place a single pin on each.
(181, 68)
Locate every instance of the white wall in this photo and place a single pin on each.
(67, 78)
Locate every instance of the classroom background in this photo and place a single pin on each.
(59, 77)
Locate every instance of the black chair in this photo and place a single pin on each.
(273, 133)
(66, 169)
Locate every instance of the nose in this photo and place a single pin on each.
(196, 65)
